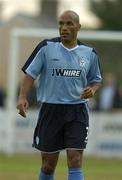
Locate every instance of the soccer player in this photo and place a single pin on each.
(68, 74)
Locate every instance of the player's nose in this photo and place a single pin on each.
(64, 27)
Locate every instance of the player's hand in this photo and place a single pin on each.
(87, 93)
(22, 106)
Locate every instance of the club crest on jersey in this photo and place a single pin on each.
(82, 63)
(66, 72)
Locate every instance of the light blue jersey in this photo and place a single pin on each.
(63, 73)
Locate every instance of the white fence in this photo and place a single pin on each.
(105, 136)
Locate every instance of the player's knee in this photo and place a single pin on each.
(74, 161)
(48, 168)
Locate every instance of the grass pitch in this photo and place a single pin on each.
(26, 167)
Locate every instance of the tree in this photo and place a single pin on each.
(109, 12)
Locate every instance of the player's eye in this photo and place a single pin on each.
(69, 23)
(60, 23)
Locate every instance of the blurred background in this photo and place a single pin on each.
(22, 27)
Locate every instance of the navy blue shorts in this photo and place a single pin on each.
(61, 126)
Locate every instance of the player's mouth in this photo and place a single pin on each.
(64, 35)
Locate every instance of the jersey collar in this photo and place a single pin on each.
(69, 49)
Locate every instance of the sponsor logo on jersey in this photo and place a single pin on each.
(66, 72)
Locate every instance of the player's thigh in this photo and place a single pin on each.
(76, 128)
(74, 158)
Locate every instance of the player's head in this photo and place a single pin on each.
(69, 26)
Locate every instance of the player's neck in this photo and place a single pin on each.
(68, 44)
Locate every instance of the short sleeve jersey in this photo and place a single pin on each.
(62, 73)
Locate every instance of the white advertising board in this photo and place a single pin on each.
(105, 135)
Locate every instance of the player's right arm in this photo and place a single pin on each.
(32, 68)
(25, 87)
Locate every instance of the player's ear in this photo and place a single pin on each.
(79, 27)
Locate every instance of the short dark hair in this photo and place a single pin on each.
(75, 15)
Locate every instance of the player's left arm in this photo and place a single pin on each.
(94, 77)
(90, 90)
